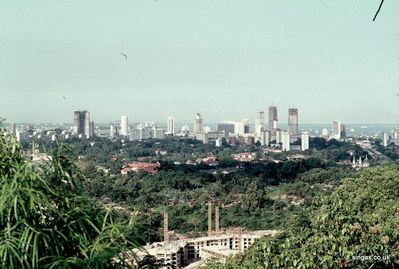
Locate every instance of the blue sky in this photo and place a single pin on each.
(225, 59)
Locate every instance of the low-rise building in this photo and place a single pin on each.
(150, 168)
(220, 246)
(245, 156)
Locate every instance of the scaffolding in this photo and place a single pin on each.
(165, 226)
(217, 217)
(209, 218)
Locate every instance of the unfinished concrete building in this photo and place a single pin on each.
(193, 252)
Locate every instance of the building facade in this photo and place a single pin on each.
(124, 126)
(273, 118)
(293, 121)
(265, 138)
(305, 141)
(171, 125)
(202, 136)
(336, 130)
(259, 123)
(198, 123)
(285, 141)
(227, 127)
(81, 123)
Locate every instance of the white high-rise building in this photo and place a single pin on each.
(385, 140)
(336, 130)
(198, 121)
(124, 126)
(325, 133)
(259, 122)
(92, 129)
(202, 136)
(134, 135)
(145, 133)
(206, 129)
(18, 134)
(13, 128)
(112, 131)
(241, 127)
(265, 138)
(218, 142)
(305, 141)
(286, 141)
(158, 133)
(278, 136)
(171, 125)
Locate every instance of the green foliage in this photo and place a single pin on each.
(330, 175)
(258, 195)
(360, 219)
(45, 222)
(333, 149)
(392, 151)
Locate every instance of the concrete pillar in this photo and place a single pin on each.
(165, 226)
(217, 216)
(209, 218)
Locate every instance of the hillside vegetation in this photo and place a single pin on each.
(47, 222)
(356, 227)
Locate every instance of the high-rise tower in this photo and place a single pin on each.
(198, 121)
(171, 125)
(293, 121)
(336, 130)
(259, 122)
(286, 141)
(273, 119)
(81, 123)
(124, 125)
(305, 141)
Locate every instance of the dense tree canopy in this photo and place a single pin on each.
(46, 222)
(356, 227)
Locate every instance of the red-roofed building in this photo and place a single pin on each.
(151, 168)
(211, 160)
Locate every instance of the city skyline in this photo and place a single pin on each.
(225, 60)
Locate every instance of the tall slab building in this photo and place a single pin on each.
(124, 125)
(198, 121)
(293, 121)
(81, 123)
(171, 125)
(286, 141)
(336, 130)
(273, 119)
(259, 122)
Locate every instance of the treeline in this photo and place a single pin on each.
(246, 194)
(356, 227)
(48, 221)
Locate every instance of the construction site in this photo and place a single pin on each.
(177, 251)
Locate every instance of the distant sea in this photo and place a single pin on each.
(316, 128)
(368, 129)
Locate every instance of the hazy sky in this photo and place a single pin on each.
(225, 59)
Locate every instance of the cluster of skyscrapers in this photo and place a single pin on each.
(239, 132)
(136, 131)
(267, 134)
(232, 132)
